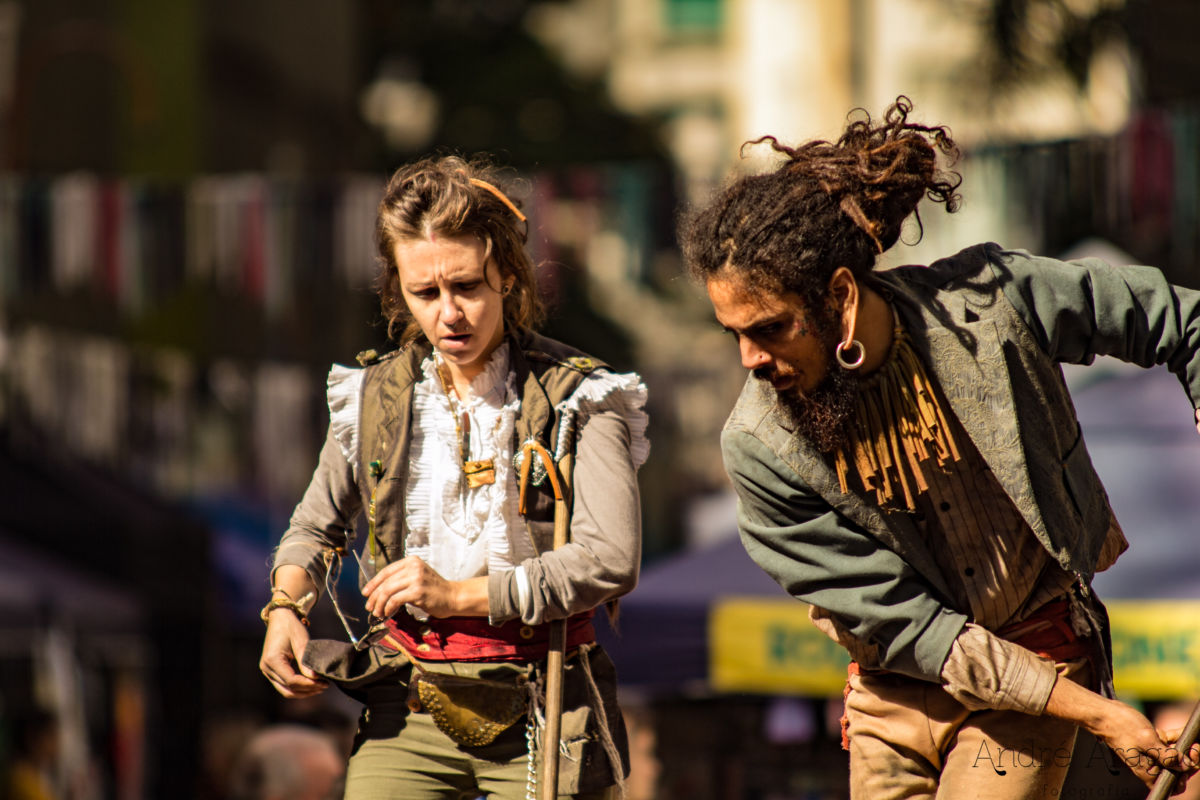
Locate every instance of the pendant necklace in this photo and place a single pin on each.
(481, 472)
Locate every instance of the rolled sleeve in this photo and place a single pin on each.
(504, 597)
(985, 671)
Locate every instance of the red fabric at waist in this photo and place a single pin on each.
(474, 639)
(1049, 633)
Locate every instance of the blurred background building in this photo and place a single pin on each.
(187, 197)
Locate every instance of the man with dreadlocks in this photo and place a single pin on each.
(907, 460)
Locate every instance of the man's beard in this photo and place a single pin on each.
(823, 416)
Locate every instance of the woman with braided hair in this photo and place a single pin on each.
(908, 462)
(468, 450)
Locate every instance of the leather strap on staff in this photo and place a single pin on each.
(528, 450)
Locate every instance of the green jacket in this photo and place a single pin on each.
(993, 326)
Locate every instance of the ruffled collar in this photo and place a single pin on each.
(490, 386)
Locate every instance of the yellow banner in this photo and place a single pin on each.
(770, 647)
(1156, 648)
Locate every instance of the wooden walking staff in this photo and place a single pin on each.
(1166, 778)
(548, 781)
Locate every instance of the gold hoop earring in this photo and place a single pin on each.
(839, 353)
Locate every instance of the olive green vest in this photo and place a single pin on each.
(547, 372)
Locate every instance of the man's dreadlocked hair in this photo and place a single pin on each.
(829, 205)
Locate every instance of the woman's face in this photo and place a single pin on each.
(455, 297)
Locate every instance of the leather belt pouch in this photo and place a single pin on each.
(471, 711)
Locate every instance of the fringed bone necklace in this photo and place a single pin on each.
(899, 431)
(481, 472)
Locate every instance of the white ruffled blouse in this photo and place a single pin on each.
(462, 532)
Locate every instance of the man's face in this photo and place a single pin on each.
(779, 340)
(784, 343)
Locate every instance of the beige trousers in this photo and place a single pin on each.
(910, 739)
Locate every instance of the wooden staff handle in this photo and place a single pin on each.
(548, 780)
(1166, 778)
(554, 677)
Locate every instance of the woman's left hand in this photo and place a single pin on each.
(411, 580)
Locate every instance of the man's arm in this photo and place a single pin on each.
(1080, 309)
(821, 557)
(868, 594)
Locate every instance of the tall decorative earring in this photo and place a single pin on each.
(840, 354)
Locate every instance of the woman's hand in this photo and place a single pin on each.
(283, 648)
(411, 580)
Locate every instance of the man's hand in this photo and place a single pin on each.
(1144, 749)
(411, 580)
(1129, 734)
(283, 647)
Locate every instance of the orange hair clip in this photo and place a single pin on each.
(500, 196)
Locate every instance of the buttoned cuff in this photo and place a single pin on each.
(503, 597)
(510, 595)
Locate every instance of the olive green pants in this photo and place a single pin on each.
(398, 754)
(910, 740)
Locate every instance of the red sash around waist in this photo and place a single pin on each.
(1049, 633)
(474, 639)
